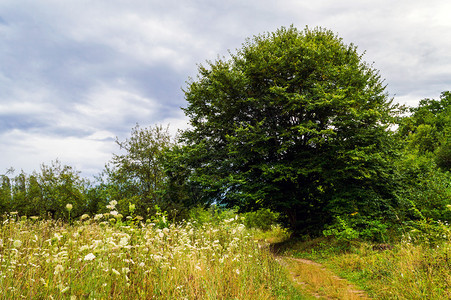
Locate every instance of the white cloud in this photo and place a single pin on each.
(106, 105)
(75, 74)
(177, 122)
(27, 151)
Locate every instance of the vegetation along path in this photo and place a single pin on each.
(316, 280)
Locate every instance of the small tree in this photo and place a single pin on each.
(46, 193)
(137, 176)
(5, 191)
(426, 162)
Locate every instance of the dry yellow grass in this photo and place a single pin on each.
(406, 272)
(99, 259)
(316, 280)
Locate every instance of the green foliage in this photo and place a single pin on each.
(5, 192)
(160, 218)
(427, 129)
(374, 230)
(296, 122)
(355, 227)
(262, 219)
(427, 232)
(137, 175)
(200, 215)
(46, 193)
(443, 156)
(341, 230)
(424, 166)
(182, 194)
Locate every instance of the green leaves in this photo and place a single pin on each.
(293, 118)
(138, 176)
(425, 164)
(45, 193)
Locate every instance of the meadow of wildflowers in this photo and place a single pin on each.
(100, 257)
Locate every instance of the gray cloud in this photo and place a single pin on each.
(76, 74)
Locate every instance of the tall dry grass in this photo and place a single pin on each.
(409, 271)
(97, 258)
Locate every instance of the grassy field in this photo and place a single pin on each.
(405, 270)
(97, 258)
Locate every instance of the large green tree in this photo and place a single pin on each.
(294, 121)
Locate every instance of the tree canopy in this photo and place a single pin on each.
(136, 176)
(294, 121)
(428, 129)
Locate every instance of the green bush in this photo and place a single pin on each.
(428, 232)
(262, 219)
(213, 214)
(351, 228)
(341, 230)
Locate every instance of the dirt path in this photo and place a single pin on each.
(317, 281)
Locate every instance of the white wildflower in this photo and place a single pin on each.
(58, 269)
(69, 206)
(17, 243)
(123, 242)
(89, 256)
(115, 271)
(83, 248)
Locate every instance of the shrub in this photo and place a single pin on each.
(262, 219)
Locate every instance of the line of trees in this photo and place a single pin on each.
(295, 122)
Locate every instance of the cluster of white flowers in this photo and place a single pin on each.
(112, 205)
(194, 247)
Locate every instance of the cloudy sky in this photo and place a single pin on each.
(75, 74)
